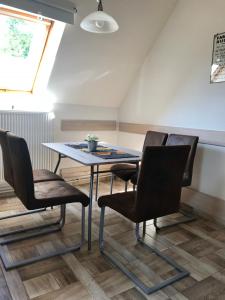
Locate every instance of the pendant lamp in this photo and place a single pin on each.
(99, 21)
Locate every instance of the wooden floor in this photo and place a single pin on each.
(198, 246)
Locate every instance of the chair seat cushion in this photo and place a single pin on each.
(123, 203)
(45, 175)
(51, 193)
(124, 171)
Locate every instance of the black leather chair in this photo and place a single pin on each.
(36, 195)
(38, 175)
(158, 194)
(127, 171)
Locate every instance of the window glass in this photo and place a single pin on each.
(23, 39)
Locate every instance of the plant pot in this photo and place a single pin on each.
(92, 146)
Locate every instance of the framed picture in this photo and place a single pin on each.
(218, 58)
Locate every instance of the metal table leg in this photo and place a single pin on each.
(90, 206)
(97, 182)
(58, 162)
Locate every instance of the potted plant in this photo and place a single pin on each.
(92, 141)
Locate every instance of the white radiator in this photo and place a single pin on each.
(36, 128)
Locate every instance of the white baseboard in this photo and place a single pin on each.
(205, 205)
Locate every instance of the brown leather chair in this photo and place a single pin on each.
(192, 141)
(158, 194)
(127, 171)
(38, 175)
(179, 139)
(35, 196)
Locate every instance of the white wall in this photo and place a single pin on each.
(94, 69)
(93, 72)
(81, 112)
(173, 89)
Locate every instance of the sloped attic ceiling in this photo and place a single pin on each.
(97, 70)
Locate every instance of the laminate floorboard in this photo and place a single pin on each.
(199, 246)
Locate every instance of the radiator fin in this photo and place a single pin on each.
(35, 128)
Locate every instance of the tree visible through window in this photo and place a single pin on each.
(22, 42)
(16, 41)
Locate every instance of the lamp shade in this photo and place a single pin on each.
(99, 22)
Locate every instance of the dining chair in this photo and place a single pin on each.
(158, 194)
(179, 139)
(126, 171)
(192, 141)
(38, 175)
(36, 195)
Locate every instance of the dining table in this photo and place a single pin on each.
(105, 154)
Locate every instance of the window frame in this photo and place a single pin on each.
(12, 12)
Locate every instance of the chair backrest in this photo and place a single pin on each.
(8, 175)
(22, 169)
(155, 138)
(179, 139)
(159, 181)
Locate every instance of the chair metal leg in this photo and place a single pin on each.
(97, 183)
(90, 208)
(126, 186)
(34, 231)
(23, 213)
(83, 225)
(144, 228)
(101, 229)
(189, 218)
(111, 184)
(9, 264)
(146, 289)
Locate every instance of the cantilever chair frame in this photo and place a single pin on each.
(158, 194)
(189, 218)
(54, 227)
(25, 191)
(146, 289)
(23, 213)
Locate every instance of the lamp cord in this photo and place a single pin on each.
(100, 6)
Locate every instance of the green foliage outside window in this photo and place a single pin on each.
(17, 42)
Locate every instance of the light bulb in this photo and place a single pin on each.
(99, 24)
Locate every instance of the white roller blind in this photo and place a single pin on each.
(61, 10)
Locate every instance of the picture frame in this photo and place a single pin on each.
(218, 59)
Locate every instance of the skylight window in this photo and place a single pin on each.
(23, 39)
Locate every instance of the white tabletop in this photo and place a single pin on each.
(87, 158)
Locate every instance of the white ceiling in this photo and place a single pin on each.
(98, 70)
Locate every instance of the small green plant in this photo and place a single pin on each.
(91, 138)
